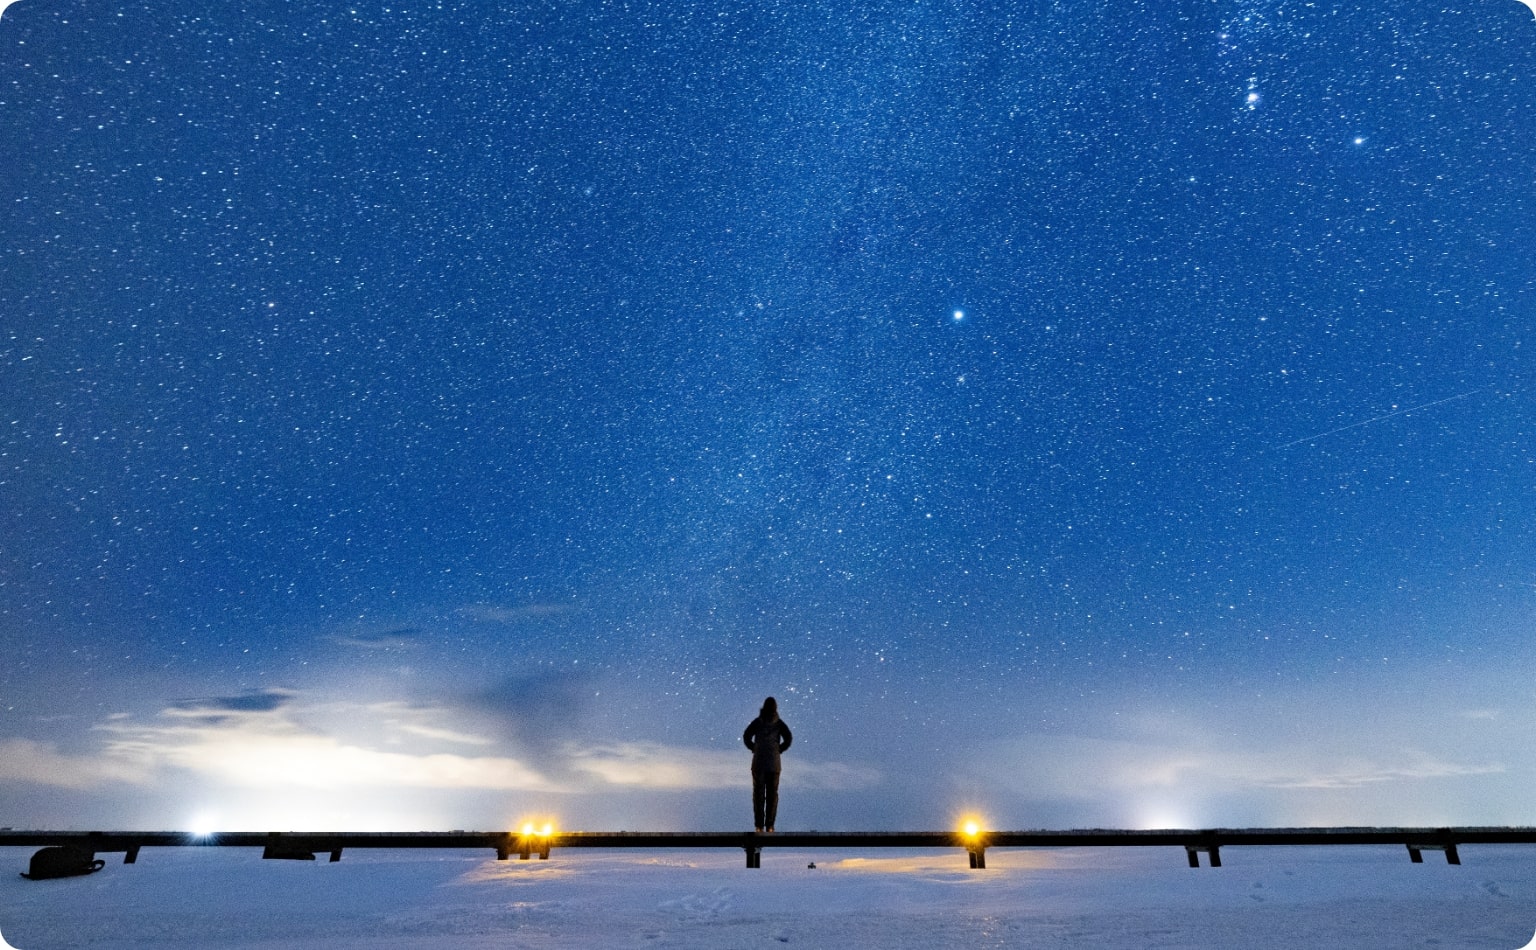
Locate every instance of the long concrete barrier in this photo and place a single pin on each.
(85, 845)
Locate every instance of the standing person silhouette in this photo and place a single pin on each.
(766, 736)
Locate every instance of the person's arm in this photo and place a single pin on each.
(785, 736)
(749, 737)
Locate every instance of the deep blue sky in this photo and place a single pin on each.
(424, 415)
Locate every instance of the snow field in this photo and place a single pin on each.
(1107, 899)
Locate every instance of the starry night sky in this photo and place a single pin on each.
(425, 415)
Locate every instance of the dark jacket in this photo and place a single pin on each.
(767, 737)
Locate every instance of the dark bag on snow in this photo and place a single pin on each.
(62, 861)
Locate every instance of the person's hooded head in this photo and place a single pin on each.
(770, 708)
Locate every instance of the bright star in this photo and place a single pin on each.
(958, 315)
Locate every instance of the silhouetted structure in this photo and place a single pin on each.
(63, 861)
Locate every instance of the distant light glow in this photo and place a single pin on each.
(957, 316)
(203, 824)
(1163, 815)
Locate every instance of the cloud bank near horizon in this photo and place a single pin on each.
(1160, 768)
(272, 740)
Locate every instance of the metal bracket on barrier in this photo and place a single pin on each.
(1416, 852)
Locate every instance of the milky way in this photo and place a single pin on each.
(414, 416)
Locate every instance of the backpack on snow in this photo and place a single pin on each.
(62, 861)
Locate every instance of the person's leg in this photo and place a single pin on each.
(771, 799)
(759, 798)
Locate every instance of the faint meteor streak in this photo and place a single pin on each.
(1385, 415)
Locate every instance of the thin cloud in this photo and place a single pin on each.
(1075, 767)
(404, 638)
(444, 735)
(656, 766)
(832, 776)
(266, 747)
(311, 761)
(649, 765)
(403, 720)
(490, 613)
(225, 708)
(1374, 773)
(41, 763)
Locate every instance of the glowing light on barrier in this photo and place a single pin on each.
(204, 825)
(535, 837)
(975, 842)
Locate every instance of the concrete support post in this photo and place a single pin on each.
(1194, 854)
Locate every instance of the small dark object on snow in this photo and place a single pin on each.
(811, 865)
(62, 861)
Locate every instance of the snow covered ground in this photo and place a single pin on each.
(1263, 897)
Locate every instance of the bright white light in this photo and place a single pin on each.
(203, 824)
(1158, 816)
(957, 316)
